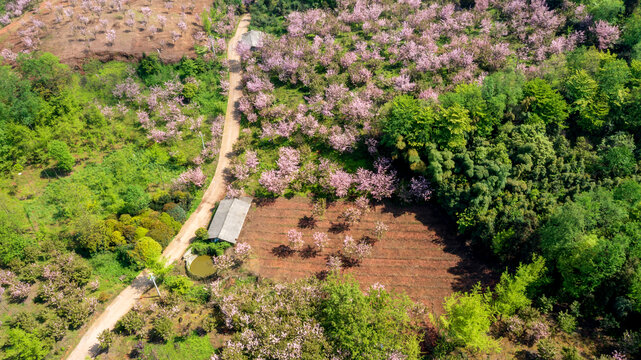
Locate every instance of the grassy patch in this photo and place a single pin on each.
(192, 347)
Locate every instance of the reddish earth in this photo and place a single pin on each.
(73, 47)
(418, 255)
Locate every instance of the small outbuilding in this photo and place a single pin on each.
(254, 39)
(229, 219)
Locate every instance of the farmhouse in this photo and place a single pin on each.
(229, 219)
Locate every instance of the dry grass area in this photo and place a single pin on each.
(419, 254)
(62, 30)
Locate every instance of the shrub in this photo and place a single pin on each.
(511, 292)
(162, 329)
(146, 252)
(566, 321)
(210, 248)
(130, 324)
(105, 339)
(75, 310)
(135, 200)
(178, 284)
(59, 151)
(202, 234)
(467, 320)
(178, 213)
(570, 353)
(546, 349)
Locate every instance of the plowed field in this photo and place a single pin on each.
(418, 255)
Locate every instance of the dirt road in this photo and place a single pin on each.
(87, 346)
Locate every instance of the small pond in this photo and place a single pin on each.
(202, 266)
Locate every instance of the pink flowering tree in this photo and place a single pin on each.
(355, 250)
(242, 251)
(606, 34)
(110, 36)
(295, 239)
(193, 176)
(320, 240)
(379, 229)
(341, 181)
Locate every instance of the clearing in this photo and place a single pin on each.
(419, 254)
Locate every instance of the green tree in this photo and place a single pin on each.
(149, 65)
(367, 326)
(591, 108)
(470, 97)
(502, 92)
(617, 155)
(135, 200)
(544, 104)
(178, 284)
(59, 151)
(146, 252)
(453, 126)
(511, 293)
(162, 329)
(587, 240)
(21, 345)
(467, 320)
(408, 123)
(17, 102)
(607, 10)
(45, 72)
(613, 76)
(105, 340)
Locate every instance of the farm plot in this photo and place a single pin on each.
(417, 255)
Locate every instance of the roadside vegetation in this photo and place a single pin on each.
(100, 169)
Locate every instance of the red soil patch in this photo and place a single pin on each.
(73, 47)
(418, 255)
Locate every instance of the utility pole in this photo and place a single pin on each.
(202, 139)
(153, 279)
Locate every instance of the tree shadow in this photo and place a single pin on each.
(264, 201)
(307, 222)
(338, 227)
(51, 173)
(322, 275)
(309, 252)
(282, 251)
(349, 262)
(366, 239)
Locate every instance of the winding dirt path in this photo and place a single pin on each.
(87, 346)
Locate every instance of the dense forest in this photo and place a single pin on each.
(519, 120)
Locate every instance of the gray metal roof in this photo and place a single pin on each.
(253, 38)
(229, 219)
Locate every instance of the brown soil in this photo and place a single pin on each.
(418, 255)
(74, 48)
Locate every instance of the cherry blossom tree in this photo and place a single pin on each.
(320, 240)
(379, 229)
(606, 34)
(110, 36)
(355, 250)
(242, 251)
(193, 176)
(295, 239)
(341, 182)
